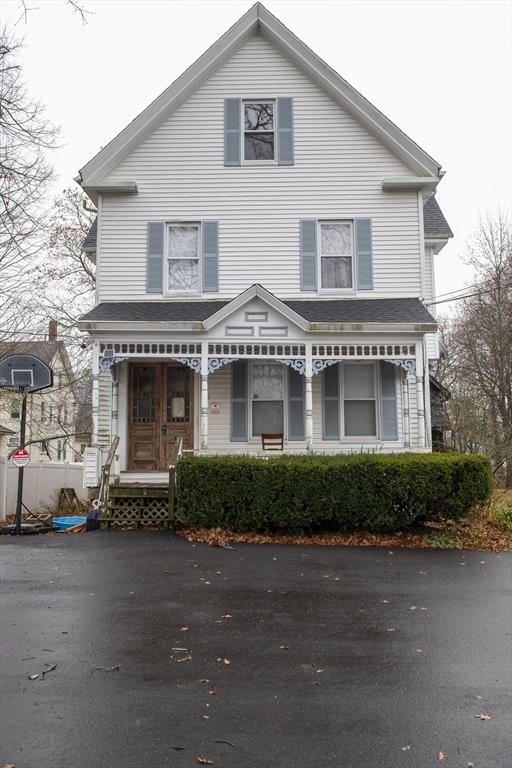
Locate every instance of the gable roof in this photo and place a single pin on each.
(434, 222)
(258, 20)
(318, 311)
(44, 350)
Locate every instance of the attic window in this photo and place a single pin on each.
(258, 130)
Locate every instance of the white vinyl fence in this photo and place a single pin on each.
(42, 483)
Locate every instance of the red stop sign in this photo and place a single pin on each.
(20, 457)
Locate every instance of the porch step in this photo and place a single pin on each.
(139, 504)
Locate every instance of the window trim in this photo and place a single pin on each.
(258, 163)
(167, 258)
(375, 399)
(320, 288)
(257, 438)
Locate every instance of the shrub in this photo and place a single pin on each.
(501, 514)
(343, 492)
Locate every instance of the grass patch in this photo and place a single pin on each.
(444, 540)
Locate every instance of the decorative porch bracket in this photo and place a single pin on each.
(109, 363)
(408, 365)
(321, 365)
(295, 363)
(214, 363)
(193, 362)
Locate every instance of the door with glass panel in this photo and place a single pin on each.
(160, 409)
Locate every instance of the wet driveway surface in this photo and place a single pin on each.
(167, 652)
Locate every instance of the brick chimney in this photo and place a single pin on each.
(52, 330)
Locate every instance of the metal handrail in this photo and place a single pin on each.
(176, 453)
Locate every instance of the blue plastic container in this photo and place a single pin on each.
(63, 523)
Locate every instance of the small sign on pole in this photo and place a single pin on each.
(20, 457)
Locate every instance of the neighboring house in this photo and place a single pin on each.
(265, 249)
(50, 429)
(5, 434)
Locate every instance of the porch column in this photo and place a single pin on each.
(419, 395)
(406, 393)
(309, 399)
(95, 392)
(203, 430)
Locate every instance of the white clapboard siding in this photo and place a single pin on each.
(219, 423)
(180, 174)
(105, 410)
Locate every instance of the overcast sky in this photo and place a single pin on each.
(441, 70)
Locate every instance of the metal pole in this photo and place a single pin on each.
(19, 500)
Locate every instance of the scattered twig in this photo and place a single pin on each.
(107, 669)
(224, 741)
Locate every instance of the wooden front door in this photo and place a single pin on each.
(161, 408)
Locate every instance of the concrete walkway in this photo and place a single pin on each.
(259, 656)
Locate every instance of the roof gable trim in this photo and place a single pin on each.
(243, 298)
(259, 19)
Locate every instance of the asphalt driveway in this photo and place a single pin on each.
(259, 656)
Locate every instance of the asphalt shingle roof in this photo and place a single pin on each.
(89, 243)
(407, 310)
(44, 350)
(434, 222)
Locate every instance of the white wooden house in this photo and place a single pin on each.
(264, 248)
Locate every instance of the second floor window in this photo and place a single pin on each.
(183, 258)
(258, 130)
(335, 252)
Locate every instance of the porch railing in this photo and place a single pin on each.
(105, 473)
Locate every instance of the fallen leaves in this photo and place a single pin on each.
(477, 532)
(482, 716)
(441, 755)
(227, 662)
(283, 647)
(9, 765)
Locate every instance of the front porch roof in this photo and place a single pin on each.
(317, 313)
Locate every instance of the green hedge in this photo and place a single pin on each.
(343, 492)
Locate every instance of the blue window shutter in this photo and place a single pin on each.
(232, 142)
(285, 131)
(295, 405)
(388, 401)
(210, 255)
(308, 255)
(239, 383)
(154, 271)
(331, 393)
(364, 256)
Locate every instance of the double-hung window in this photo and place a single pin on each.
(267, 388)
(336, 254)
(183, 256)
(359, 399)
(259, 133)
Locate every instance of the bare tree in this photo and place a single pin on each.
(479, 343)
(64, 279)
(26, 136)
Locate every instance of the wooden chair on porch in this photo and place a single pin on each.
(272, 441)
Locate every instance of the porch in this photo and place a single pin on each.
(219, 398)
